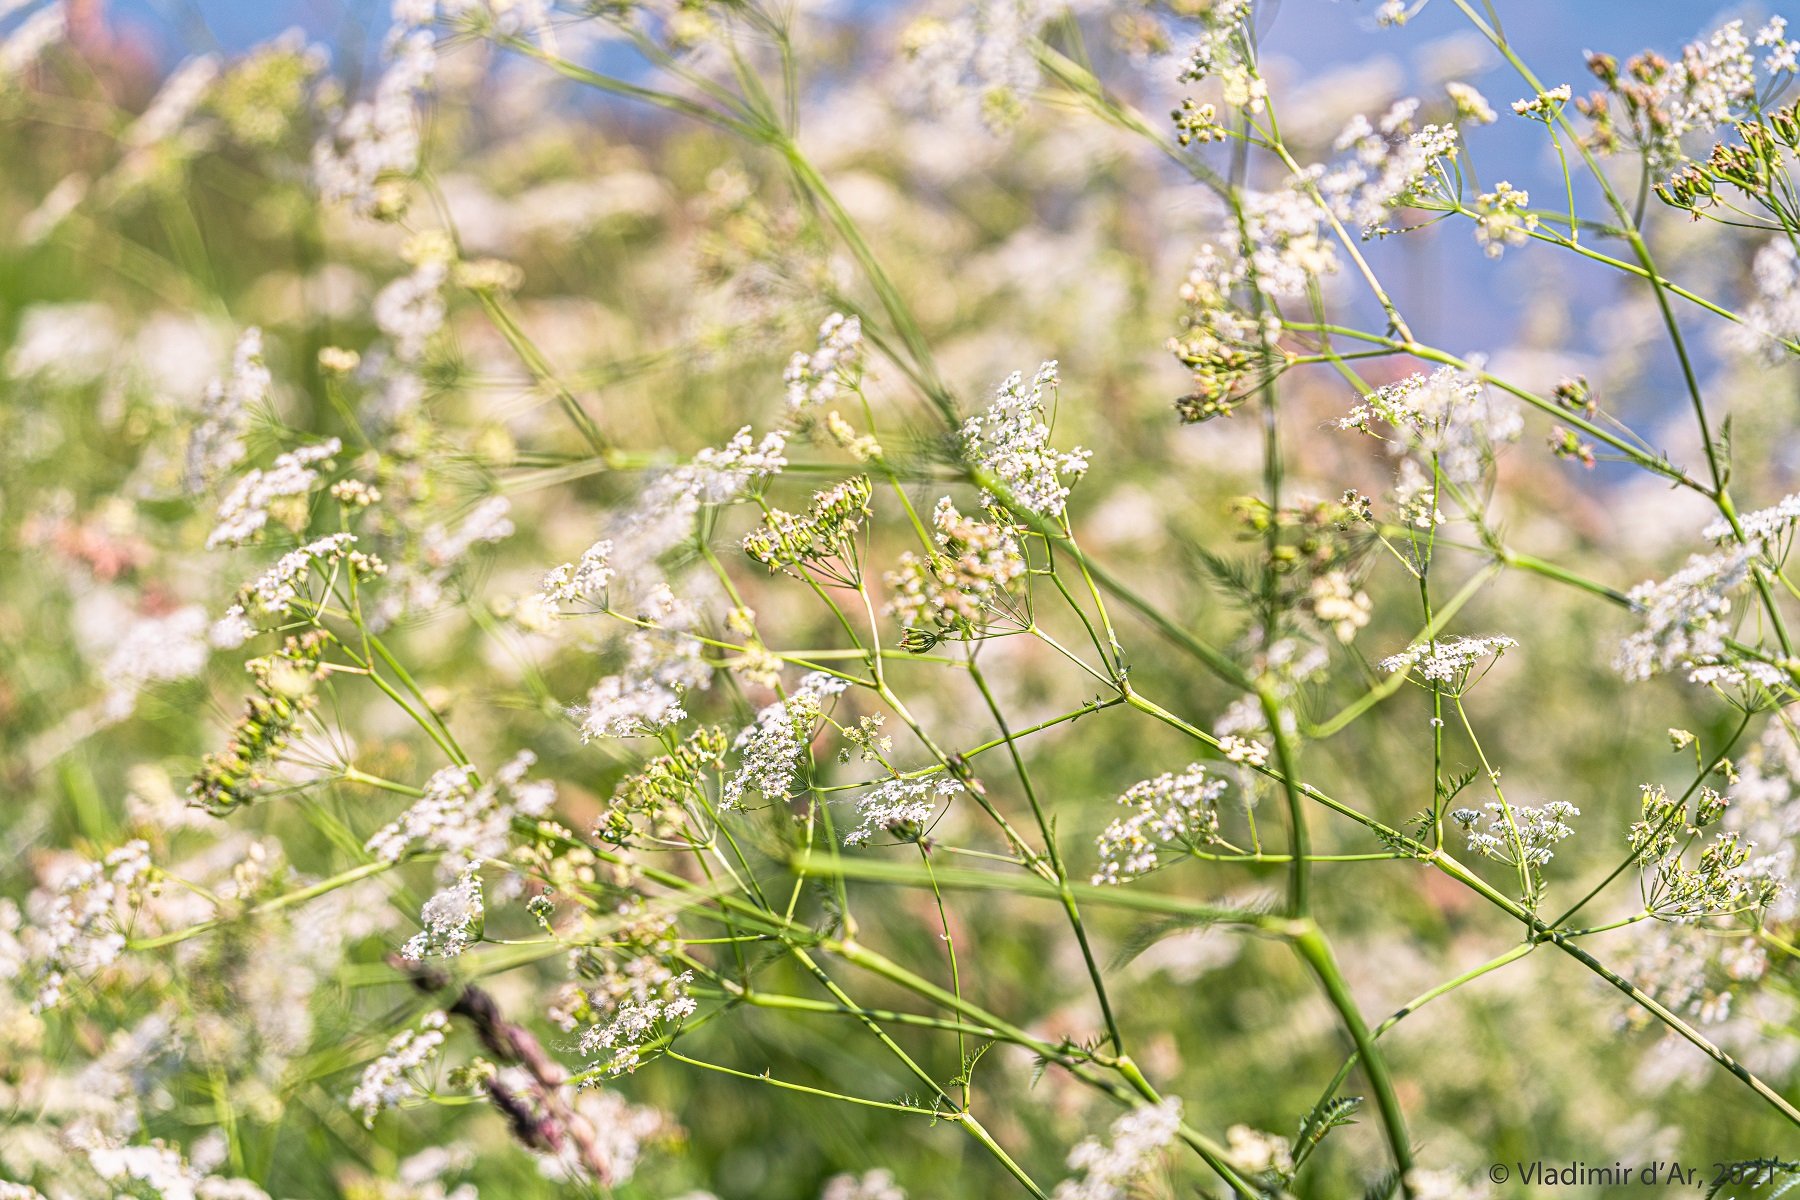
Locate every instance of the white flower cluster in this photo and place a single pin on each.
(1448, 662)
(635, 1019)
(1169, 811)
(1765, 808)
(877, 1184)
(815, 380)
(1011, 441)
(900, 807)
(217, 442)
(279, 492)
(1110, 1171)
(450, 921)
(465, 823)
(1765, 525)
(616, 1130)
(1538, 830)
(1684, 615)
(661, 666)
(80, 927)
(153, 649)
(583, 580)
(1289, 246)
(1447, 416)
(1773, 316)
(1254, 1152)
(665, 517)
(488, 521)
(1502, 219)
(1243, 751)
(1783, 52)
(981, 62)
(1221, 54)
(1708, 86)
(1383, 164)
(376, 142)
(1471, 105)
(398, 1073)
(158, 1169)
(411, 309)
(773, 747)
(274, 592)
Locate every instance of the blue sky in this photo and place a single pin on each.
(1309, 29)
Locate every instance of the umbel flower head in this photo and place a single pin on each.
(960, 587)
(1449, 663)
(1169, 812)
(1011, 443)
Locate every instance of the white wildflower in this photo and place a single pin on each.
(1448, 417)
(1168, 812)
(1769, 526)
(634, 1017)
(1522, 835)
(773, 747)
(1684, 615)
(1449, 662)
(1502, 220)
(411, 309)
(1110, 1171)
(1243, 751)
(981, 62)
(450, 921)
(1773, 316)
(1382, 165)
(1471, 105)
(901, 808)
(81, 927)
(1011, 441)
(583, 580)
(815, 380)
(1222, 53)
(1783, 51)
(377, 141)
(466, 824)
(280, 493)
(486, 522)
(152, 650)
(877, 1184)
(399, 1073)
(1254, 1152)
(1545, 105)
(662, 665)
(963, 581)
(276, 590)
